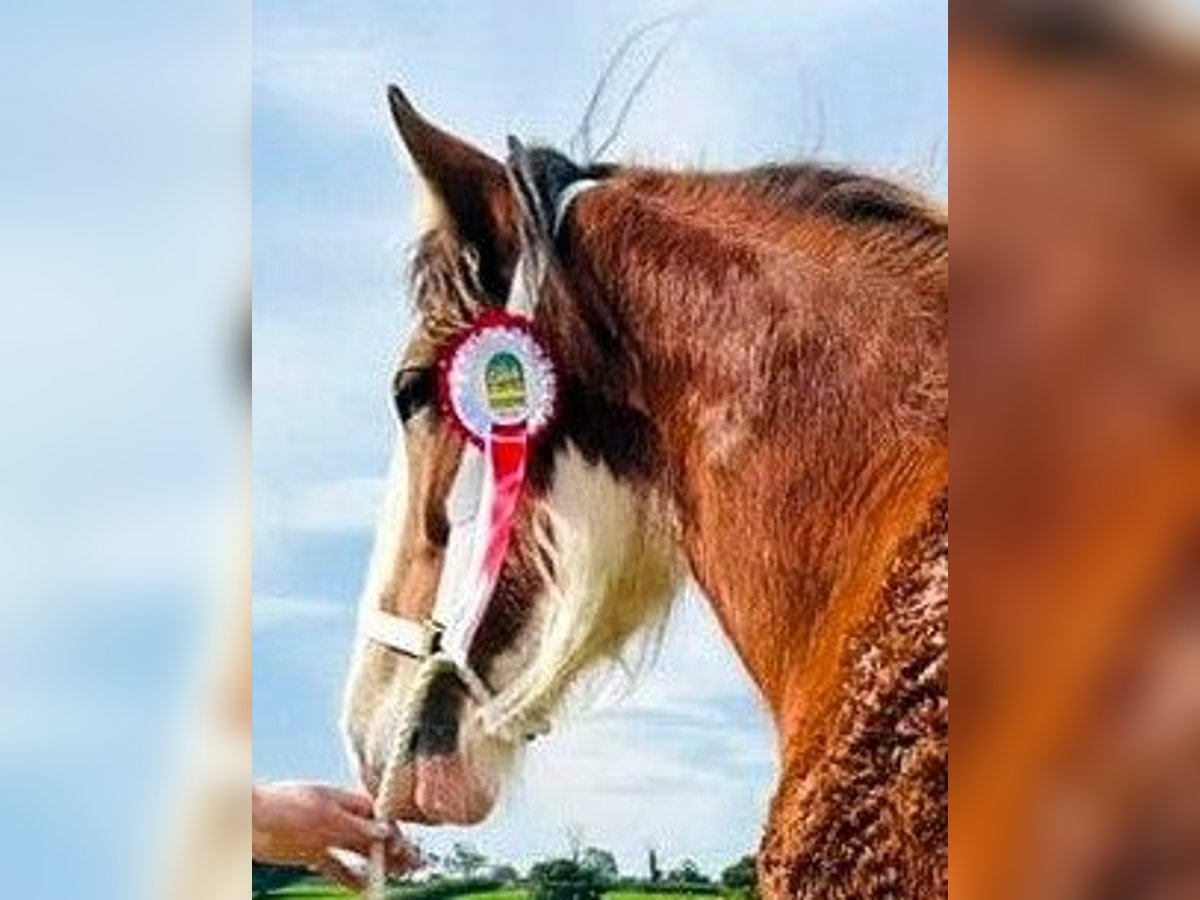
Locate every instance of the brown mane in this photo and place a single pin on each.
(803, 188)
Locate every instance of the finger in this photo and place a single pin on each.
(358, 834)
(336, 870)
(354, 802)
(402, 857)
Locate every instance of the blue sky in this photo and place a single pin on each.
(684, 762)
(123, 264)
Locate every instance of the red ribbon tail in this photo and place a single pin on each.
(508, 451)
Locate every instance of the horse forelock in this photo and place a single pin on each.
(446, 291)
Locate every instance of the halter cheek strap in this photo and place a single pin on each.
(481, 509)
(408, 636)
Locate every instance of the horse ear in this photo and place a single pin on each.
(468, 189)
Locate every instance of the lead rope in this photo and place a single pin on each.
(377, 870)
(431, 667)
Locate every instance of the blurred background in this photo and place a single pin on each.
(124, 287)
(1075, 464)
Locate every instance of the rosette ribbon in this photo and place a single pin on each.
(498, 387)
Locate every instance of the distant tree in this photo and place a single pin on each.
(600, 861)
(652, 865)
(465, 860)
(564, 879)
(506, 873)
(742, 875)
(687, 872)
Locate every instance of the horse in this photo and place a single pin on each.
(751, 392)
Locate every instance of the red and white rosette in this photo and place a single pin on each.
(498, 386)
(496, 374)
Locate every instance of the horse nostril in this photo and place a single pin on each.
(437, 732)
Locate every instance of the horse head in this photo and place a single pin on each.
(586, 553)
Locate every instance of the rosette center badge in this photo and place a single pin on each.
(499, 375)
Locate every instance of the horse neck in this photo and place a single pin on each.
(795, 589)
(793, 497)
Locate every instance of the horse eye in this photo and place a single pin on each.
(412, 391)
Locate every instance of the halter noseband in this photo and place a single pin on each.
(443, 639)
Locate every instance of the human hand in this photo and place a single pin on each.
(299, 824)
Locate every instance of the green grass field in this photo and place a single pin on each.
(318, 891)
(311, 891)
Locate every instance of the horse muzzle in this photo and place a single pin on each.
(427, 771)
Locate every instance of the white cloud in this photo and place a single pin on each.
(274, 611)
(350, 505)
(333, 508)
